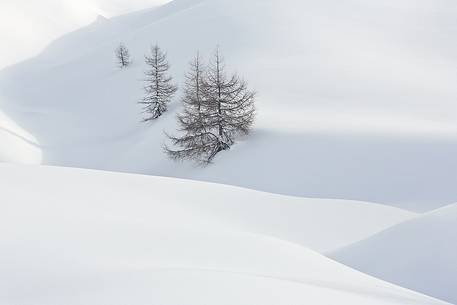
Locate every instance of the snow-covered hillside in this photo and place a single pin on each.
(72, 236)
(356, 98)
(420, 254)
(356, 101)
(26, 27)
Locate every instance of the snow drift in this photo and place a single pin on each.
(77, 236)
(420, 254)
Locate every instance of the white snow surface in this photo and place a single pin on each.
(16, 144)
(27, 26)
(71, 236)
(420, 254)
(356, 99)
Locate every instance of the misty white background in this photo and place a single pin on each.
(27, 26)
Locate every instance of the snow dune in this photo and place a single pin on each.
(420, 254)
(84, 237)
(345, 95)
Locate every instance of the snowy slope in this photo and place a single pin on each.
(17, 144)
(85, 237)
(420, 254)
(323, 225)
(27, 27)
(356, 99)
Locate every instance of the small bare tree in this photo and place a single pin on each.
(123, 56)
(159, 86)
(217, 108)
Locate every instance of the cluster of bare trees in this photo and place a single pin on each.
(159, 87)
(217, 107)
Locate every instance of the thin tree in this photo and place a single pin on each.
(123, 56)
(159, 87)
(229, 102)
(197, 142)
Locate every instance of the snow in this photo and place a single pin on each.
(420, 254)
(27, 27)
(71, 236)
(356, 99)
(17, 144)
(289, 218)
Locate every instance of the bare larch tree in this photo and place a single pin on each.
(217, 108)
(123, 56)
(229, 101)
(197, 141)
(159, 87)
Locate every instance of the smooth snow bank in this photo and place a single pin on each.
(420, 254)
(356, 99)
(17, 144)
(322, 225)
(86, 237)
